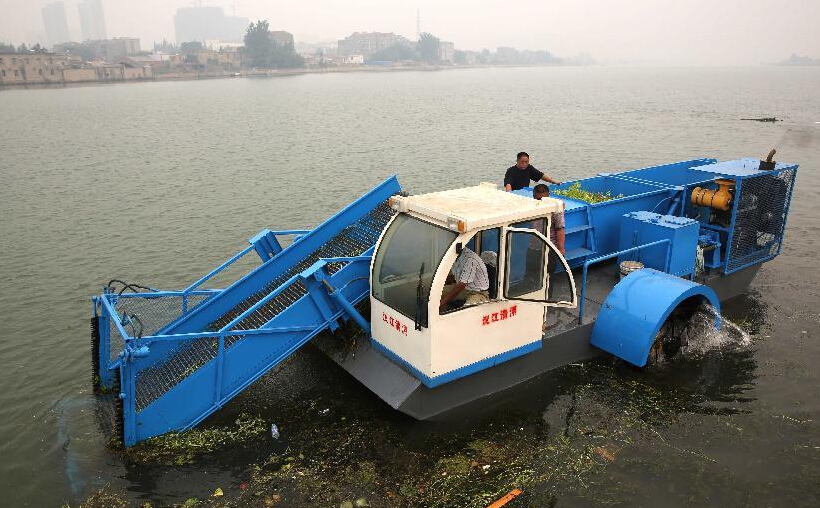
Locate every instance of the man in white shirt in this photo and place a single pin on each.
(471, 280)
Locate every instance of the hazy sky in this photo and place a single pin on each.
(711, 32)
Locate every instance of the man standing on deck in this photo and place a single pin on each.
(519, 176)
(556, 236)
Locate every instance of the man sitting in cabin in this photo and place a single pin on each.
(519, 176)
(470, 281)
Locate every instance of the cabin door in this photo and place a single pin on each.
(526, 270)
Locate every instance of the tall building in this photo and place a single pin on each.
(204, 23)
(368, 43)
(92, 20)
(55, 23)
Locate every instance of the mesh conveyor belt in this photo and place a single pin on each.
(351, 241)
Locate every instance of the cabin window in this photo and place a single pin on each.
(409, 255)
(526, 255)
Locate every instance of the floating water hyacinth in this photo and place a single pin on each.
(575, 191)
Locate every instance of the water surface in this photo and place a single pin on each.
(158, 182)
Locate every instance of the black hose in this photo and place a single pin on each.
(126, 285)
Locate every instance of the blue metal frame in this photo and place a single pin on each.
(204, 390)
(610, 256)
(233, 370)
(735, 204)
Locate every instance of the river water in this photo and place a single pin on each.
(156, 183)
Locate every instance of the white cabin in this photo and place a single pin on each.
(412, 261)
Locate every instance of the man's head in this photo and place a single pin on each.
(522, 160)
(540, 191)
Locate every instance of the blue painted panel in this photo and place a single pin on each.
(637, 307)
(678, 173)
(606, 217)
(573, 218)
(639, 228)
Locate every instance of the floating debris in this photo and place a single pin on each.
(604, 453)
(514, 493)
(763, 119)
(274, 431)
(178, 448)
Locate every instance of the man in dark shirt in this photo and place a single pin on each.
(519, 176)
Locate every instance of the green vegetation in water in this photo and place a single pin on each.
(575, 191)
(178, 448)
(337, 453)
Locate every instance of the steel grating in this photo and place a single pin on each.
(760, 219)
(354, 240)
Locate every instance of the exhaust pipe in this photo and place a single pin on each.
(768, 164)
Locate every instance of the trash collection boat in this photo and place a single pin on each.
(700, 228)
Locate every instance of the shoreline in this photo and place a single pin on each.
(262, 73)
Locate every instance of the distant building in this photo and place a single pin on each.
(368, 43)
(282, 38)
(108, 50)
(446, 51)
(203, 23)
(154, 60)
(231, 60)
(220, 45)
(118, 47)
(92, 20)
(352, 60)
(55, 23)
(30, 68)
(506, 55)
(46, 68)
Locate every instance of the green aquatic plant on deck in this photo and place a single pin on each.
(575, 191)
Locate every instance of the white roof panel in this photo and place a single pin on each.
(478, 206)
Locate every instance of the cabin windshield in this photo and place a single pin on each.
(405, 264)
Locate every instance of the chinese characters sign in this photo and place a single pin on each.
(395, 323)
(501, 315)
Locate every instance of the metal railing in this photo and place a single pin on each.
(606, 257)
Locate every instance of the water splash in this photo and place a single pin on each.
(693, 334)
(705, 337)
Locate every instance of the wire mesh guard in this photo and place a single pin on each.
(354, 240)
(761, 217)
(144, 314)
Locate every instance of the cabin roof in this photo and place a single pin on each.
(478, 206)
